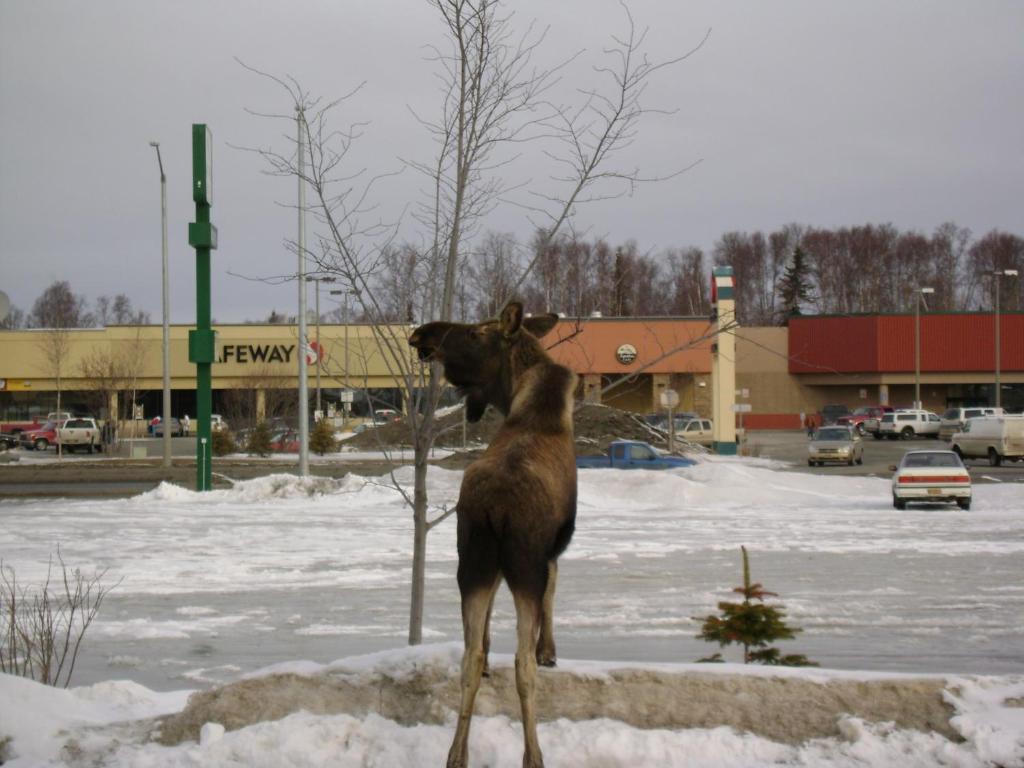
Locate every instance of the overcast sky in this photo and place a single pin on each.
(821, 113)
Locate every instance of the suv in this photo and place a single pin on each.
(80, 433)
(909, 424)
(954, 419)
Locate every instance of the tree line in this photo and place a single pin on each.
(58, 306)
(873, 268)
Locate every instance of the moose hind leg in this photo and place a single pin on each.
(528, 609)
(546, 645)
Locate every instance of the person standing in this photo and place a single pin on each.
(186, 424)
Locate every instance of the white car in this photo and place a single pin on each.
(931, 476)
(908, 424)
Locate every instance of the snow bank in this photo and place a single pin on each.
(396, 709)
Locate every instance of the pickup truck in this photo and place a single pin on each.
(632, 454)
(80, 433)
(17, 427)
(860, 417)
(40, 438)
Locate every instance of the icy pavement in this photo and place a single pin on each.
(219, 584)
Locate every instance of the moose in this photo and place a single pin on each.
(516, 511)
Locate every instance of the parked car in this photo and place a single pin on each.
(385, 416)
(908, 424)
(81, 433)
(285, 441)
(40, 439)
(836, 444)
(931, 476)
(175, 427)
(632, 454)
(993, 437)
(831, 413)
(857, 418)
(953, 420)
(217, 422)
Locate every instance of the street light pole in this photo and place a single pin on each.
(917, 344)
(303, 375)
(165, 417)
(319, 347)
(998, 274)
(347, 404)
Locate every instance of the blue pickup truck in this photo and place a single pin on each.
(632, 454)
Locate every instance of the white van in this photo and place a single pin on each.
(908, 424)
(954, 419)
(994, 437)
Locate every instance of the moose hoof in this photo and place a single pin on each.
(545, 660)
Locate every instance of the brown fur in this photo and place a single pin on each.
(517, 506)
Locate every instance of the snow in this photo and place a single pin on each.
(311, 575)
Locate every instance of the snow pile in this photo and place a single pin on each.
(395, 709)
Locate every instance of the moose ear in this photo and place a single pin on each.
(539, 326)
(511, 319)
(476, 404)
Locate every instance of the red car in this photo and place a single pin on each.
(859, 417)
(285, 441)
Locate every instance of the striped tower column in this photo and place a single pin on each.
(723, 361)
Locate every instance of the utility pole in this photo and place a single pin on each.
(917, 344)
(319, 346)
(998, 275)
(300, 119)
(166, 410)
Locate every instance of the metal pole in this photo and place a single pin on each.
(348, 404)
(303, 375)
(999, 394)
(318, 347)
(166, 405)
(917, 350)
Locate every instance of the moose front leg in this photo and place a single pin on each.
(546, 644)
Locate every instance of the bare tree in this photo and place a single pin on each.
(492, 100)
(15, 319)
(59, 307)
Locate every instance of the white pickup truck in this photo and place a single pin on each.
(80, 433)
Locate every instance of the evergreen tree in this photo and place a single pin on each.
(223, 443)
(753, 625)
(794, 287)
(259, 440)
(321, 439)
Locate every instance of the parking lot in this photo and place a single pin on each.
(879, 455)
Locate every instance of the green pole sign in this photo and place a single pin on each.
(202, 343)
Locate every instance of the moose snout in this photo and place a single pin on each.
(417, 342)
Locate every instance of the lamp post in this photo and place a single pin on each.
(998, 274)
(165, 418)
(319, 349)
(348, 403)
(917, 343)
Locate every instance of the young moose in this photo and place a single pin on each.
(517, 505)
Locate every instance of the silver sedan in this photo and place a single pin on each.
(839, 445)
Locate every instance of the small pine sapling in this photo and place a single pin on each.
(752, 624)
(223, 442)
(321, 439)
(258, 442)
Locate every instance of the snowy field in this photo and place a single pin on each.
(216, 586)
